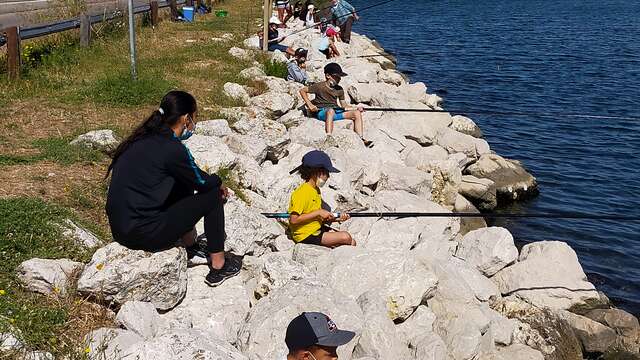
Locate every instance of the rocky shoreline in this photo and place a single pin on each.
(416, 288)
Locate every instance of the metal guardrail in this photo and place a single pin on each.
(64, 25)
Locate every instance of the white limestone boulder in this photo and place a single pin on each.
(118, 274)
(511, 179)
(216, 127)
(395, 176)
(262, 333)
(210, 153)
(183, 344)
(594, 336)
(217, 312)
(277, 270)
(379, 338)
(457, 142)
(49, 277)
(140, 317)
(235, 91)
(110, 343)
(468, 224)
(489, 249)
(240, 53)
(247, 145)
(253, 72)
(481, 192)
(404, 284)
(80, 236)
(466, 126)
(418, 335)
(547, 274)
(103, 140)
(276, 103)
(248, 232)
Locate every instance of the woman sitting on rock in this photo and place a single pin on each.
(307, 218)
(151, 203)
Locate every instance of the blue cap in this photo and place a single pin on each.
(317, 159)
(314, 328)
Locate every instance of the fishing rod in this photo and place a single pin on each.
(571, 216)
(366, 56)
(508, 113)
(339, 17)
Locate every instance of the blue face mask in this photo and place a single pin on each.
(187, 133)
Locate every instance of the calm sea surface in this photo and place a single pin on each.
(542, 56)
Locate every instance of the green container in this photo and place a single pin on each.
(221, 13)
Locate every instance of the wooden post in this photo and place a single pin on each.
(154, 13)
(268, 10)
(13, 52)
(85, 29)
(174, 10)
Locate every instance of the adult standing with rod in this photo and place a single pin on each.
(343, 16)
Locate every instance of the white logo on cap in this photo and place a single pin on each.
(331, 325)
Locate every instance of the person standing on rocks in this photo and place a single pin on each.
(314, 336)
(343, 15)
(307, 218)
(284, 11)
(151, 203)
(329, 104)
(296, 67)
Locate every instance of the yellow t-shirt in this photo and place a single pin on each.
(304, 200)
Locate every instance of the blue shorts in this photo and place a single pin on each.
(274, 47)
(339, 115)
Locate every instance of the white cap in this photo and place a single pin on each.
(274, 20)
(310, 7)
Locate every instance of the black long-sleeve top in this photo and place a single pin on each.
(142, 179)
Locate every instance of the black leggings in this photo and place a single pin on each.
(183, 210)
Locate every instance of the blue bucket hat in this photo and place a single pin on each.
(317, 159)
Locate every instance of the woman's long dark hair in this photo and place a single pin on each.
(174, 105)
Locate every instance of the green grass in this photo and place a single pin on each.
(231, 181)
(29, 228)
(55, 149)
(119, 89)
(275, 68)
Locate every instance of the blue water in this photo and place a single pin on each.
(542, 56)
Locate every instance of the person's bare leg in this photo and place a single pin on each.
(356, 117)
(281, 16)
(217, 260)
(328, 123)
(334, 239)
(335, 50)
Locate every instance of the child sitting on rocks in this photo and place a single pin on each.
(327, 44)
(329, 102)
(313, 335)
(296, 67)
(306, 215)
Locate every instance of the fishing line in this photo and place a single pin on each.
(509, 113)
(570, 216)
(339, 17)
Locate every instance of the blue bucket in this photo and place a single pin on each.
(189, 13)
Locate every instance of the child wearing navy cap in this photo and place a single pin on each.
(307, 218)
(314, 336)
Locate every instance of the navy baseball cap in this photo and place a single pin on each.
(314, 328)
(316, 159)
(334, 69)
